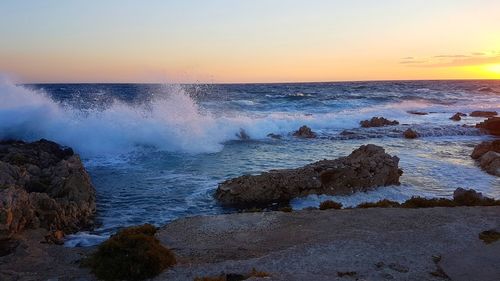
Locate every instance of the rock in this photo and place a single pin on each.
(458, 116)
(366, 167)
(378, 122)
(274, 136)
(490, 126)
(490, 162)
(417, 112)
(242, 135)
(468, 197)
(304, 132)
(483, 113)
(55, 237)
(484, 147)
(410, 134)
(43, 185)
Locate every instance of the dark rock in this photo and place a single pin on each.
(243, 135)
(483, 113)
(490, 126)
(484, 147)
(417, 112)
(410, 134)
(274, 136)
(43, 185)
(458, 116)
(488, 156)
(304, 132)
(8, 246)
(378, 122)
(470, 197)
(366, 167)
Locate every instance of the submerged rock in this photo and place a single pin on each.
(274, 136)
(43, 185)
(414, 112)
(410, 134)
(304, 132)
(366, 167)
(490, 126)
(378, 122)
(483, 113)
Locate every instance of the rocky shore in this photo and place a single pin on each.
(43, 185)
(350, 244)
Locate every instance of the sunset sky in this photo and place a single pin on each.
(248, 41)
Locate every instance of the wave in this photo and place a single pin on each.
(174, 121)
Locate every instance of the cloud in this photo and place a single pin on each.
(452, 56)
(476, 58)
(413, 62)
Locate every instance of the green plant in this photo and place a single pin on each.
(131, 254)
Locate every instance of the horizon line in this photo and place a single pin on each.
(273, 82)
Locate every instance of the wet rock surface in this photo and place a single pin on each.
(487, 154)
(458, 116)
(304, 132)
(410, 134)
(43, 185)
(378, 122)
(366, 167)
(490, 126)
(483, 113)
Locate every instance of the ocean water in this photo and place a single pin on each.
(157, 152)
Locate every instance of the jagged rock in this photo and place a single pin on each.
(378, 122)
(458, 116)
(410, 134)
(366, 167)
(490, 126)
(43, 185)
(304, 132)
(483, 113)
(243, 135)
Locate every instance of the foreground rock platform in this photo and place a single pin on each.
(374, 244)
(366, 167)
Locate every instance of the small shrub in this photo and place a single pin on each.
(329, 204)
(489, 236)
(380, 204)
(419, 202)
(131, 254)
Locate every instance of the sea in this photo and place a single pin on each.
(156, 152)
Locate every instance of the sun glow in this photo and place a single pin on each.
(493, 68)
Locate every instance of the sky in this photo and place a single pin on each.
(243, 41)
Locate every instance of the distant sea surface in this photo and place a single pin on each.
(157, 152)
